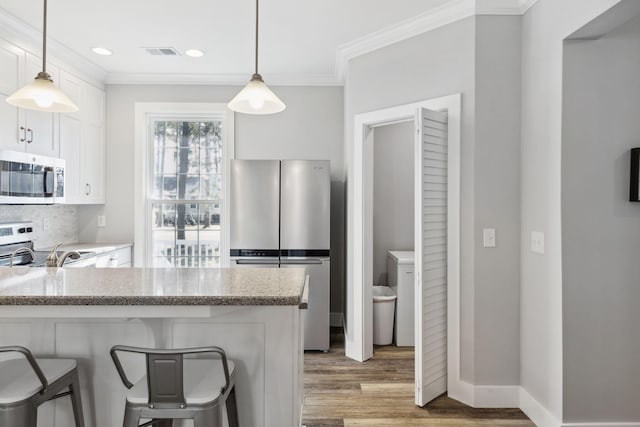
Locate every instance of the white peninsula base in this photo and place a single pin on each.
(264, 341)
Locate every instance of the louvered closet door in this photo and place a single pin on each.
(431, 257)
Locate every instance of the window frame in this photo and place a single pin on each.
(145, 114)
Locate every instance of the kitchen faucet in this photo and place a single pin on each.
(70, 254)
(17, 251)
(52, 258)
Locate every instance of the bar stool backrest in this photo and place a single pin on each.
(165, 380)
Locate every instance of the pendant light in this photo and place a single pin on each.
(41, 94)
(256, 97)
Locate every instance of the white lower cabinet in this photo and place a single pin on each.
(114, 259)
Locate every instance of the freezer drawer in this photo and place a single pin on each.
(316, 317)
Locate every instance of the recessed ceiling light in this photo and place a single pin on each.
(194, 53)
(102, 51)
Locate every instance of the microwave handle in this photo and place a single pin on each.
(49, 180)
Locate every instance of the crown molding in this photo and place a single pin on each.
(29, 38)
(526, 4)
(427, 21)
(430, 20)
(219, 79)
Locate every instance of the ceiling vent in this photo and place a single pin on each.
(161, 51)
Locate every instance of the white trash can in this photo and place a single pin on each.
(384, 305)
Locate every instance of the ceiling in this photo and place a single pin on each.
(298, 38)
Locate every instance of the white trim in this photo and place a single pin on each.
(498, 7)
(146, 110)
(219, 79)
(29, 38)
(358, 342)
(536, 411)
(432, 19)
(601, 424)
(497, 396)
(427, 21)
(526, 5)
(335, 320)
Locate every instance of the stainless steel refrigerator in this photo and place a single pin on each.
(280, 217)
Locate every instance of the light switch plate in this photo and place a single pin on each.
(46, 224)
(489, 237)
(537, 242)
(102, 221)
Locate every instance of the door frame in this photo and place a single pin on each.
(359, 331)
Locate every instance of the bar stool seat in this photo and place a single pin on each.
(18, 382)
(27, 383)
(203, 380)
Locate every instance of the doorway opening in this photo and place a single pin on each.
(444, 116)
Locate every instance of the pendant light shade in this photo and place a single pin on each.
(41, 94)
(256, 97)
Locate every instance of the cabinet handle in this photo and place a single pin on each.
(24, 134)
(88, 188)
(30, 140)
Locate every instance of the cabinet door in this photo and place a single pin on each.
(71, 139)
(93, 165)
(41, 126)
(71, 152)
(93, 146)
(11, 69)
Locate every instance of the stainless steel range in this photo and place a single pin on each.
(16, 248)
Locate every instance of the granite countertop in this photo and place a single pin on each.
(97, 248)
(152, 286)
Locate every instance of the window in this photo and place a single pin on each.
(185, 184)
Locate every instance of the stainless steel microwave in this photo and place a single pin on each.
(30, 179)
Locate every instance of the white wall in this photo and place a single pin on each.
(458, 58)
(393, 198)
(310, 128)
(600, 228)
(544, 28)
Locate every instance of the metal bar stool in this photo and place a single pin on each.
(178, 388)
(27, 383)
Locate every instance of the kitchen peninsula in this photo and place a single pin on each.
(254, 314)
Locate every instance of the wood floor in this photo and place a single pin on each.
(379, 392)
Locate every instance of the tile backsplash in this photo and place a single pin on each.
(62, 227)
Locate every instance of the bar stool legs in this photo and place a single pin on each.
(29, 382)
(76, 400)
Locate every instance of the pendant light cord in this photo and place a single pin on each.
(44, 39)
(256, 36)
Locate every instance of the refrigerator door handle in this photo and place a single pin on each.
(257, 262)
(301, 261)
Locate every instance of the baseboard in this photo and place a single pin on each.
(536, 412)
(601, 424)
(497, 396)
(335, 320)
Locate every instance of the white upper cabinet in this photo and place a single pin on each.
(78, 138)
(41, 127)
(82, 142)
(11, 71)
(24, 130)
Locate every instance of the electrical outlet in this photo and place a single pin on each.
(489, 237)
(46, 224)
(102, 221)
(537, 242)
